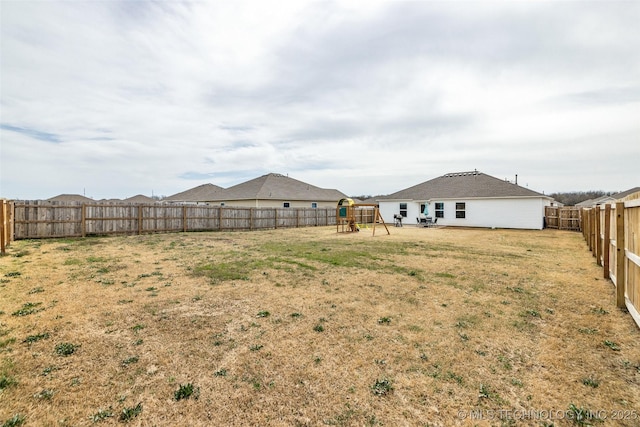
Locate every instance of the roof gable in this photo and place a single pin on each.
(461, 185)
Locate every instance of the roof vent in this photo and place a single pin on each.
(454, 174)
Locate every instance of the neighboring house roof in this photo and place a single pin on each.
(201, 193)
(70, 198)
(624, 194)
(603, 199)
(462, 185)
(139, 199)
(585, 203)
(278, 187)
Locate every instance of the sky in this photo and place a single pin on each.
(111, 99)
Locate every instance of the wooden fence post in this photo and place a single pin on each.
(593, 231)
(598, 238)
(184, 218)
(139, 219)
(585, 225)
(606, 244)
(83, 220)
(621, 257)
(2, 226)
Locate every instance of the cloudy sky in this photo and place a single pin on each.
(116, 98)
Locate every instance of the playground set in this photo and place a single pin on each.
(351, 217)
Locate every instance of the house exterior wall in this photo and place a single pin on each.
(523, 213)
(278, 203)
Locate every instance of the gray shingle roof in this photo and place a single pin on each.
(139, 198)
(279, 187)
(70, 198)
(461, 185)
(201, 193)
(624, 194)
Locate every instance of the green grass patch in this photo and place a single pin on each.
(382, 387)
(15, 421)
(7, 381)
(28, 308)
(612, 345)
(129, 413)
(102, 415)
(186, 391)
(37, 337)
(223, 271)
(13, 274)
(129, 360)
(66, 349)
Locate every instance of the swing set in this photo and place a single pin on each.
(348, 213)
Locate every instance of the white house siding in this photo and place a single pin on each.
(278, 203)
(523, 213)
(500, 213)
(389, 208)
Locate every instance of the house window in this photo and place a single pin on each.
(439, 210)
(461, 210)
(314, 205)
(286, 204)
(403, 210)
(221, 203)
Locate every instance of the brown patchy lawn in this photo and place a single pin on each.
(308, 327)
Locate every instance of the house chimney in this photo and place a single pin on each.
(516, 179)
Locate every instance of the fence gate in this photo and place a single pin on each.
(563, 218)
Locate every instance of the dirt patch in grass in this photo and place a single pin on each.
(308, 327)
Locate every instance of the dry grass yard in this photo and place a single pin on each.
(306, 327)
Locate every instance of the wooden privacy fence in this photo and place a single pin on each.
(41, 219)
(563, 218)
(612, 232)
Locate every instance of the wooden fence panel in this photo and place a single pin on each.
(287, 218)
(43, 219)
(632, 255)
(612, 233)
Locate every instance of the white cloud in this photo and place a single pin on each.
(127, 97)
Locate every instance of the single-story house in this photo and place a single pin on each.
(624, 195)
(468, 199)
(277, 191)
(602, 200)
(605, 200)
(268, 191)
